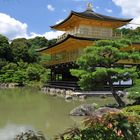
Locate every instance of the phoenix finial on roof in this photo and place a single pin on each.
(89, 6)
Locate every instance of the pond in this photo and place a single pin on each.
(22, 109)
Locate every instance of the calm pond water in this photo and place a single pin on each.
(22, 109)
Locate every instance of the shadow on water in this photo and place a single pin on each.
(25, 108)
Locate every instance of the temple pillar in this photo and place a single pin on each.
(53, 75)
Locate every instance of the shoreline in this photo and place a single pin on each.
(71, 95)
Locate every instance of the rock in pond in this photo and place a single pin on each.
(82, 97)
(83, 110)
(68, 97)
(104, 110)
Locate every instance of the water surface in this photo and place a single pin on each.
(28, 108)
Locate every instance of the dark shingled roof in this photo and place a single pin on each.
(89, 14)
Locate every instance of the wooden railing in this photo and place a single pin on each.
(69, 57)
(91, 34)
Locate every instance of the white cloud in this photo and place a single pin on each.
(49, 35)
(130, 8)
(50, 7)
(11, 27)
(135, 23)
(109, 10)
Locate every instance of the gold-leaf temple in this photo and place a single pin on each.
(81, 30)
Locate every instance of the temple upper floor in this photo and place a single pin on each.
(90, 24)
(82, 30)
(89, 18)
(91, 32)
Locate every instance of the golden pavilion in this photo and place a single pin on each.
(81, 30)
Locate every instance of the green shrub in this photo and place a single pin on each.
(134, 93)
(33, 74)
(135, 96)
(23, 73)
(30, 135)
(110, 126)
(132, 109)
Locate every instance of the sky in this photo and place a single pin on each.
(31, 18)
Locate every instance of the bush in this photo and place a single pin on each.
(36, 72)
(30, 135)
(134, 96)
(134, 93)
(33, 74)
(22, 73)
(111, 126)
(132, 109)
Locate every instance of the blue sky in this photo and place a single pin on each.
(29, 18)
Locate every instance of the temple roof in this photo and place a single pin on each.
(69, 39)
(91, 15)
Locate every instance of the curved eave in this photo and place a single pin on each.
(67, 38)
(92, 16)
(69, 16)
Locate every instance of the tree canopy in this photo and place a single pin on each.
(19, 61)
(20, 48)
(40, 42)
(132, 34)
(5, 50)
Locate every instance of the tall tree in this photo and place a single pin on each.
(5, 50)
(98, 65)
(38, 42)
(21, 50)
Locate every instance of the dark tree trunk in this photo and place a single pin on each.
(114, 93)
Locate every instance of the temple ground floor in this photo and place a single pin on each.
(60, 77)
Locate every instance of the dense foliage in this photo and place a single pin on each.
(5, 50)
(40, 42)
(30, 135)
(98, 65)
(134, 92)
(132, 110)
(22, 73)
(132, 34)
(110, 126)
(19, 61)
(21, 51)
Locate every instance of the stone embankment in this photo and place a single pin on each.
(67, 94)
(70, 94)
(8, 85)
